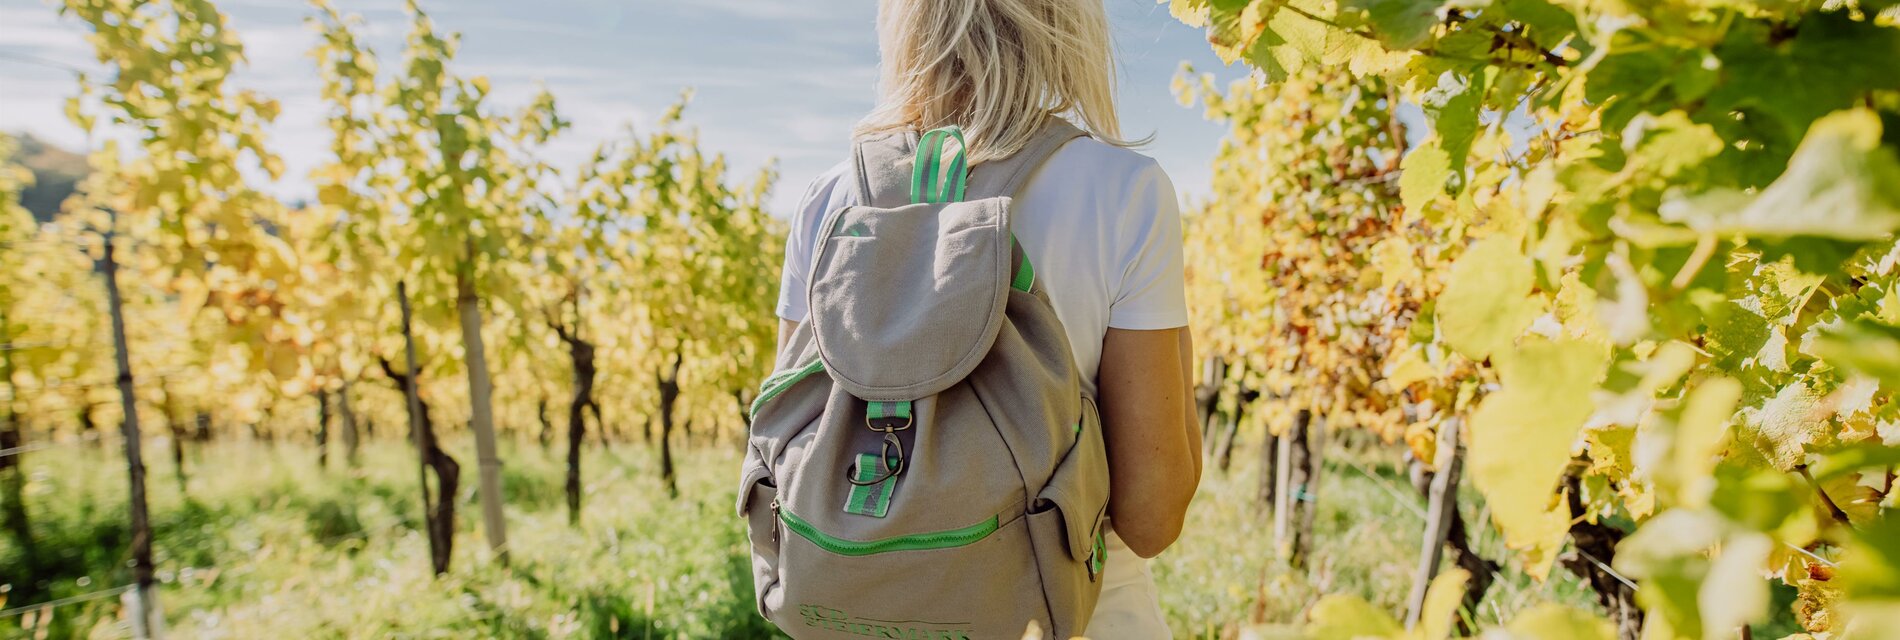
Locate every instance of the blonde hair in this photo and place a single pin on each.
(996, 68)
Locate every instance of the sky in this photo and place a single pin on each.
(776, 82)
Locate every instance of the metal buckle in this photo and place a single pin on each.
(892, 448)
(888, 424)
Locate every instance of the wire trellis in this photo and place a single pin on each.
(84, 597)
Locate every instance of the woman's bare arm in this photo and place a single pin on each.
(785, 329)
(1154, 451)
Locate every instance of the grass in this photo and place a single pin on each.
(265, 544)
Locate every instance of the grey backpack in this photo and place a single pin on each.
(923, 463)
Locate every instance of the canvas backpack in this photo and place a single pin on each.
(924, 464)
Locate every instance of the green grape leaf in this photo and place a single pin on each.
(1737, 335)
(1453, 108)
(1870, 570)
(1522, 436)
(1832, 61)
(1866, 346)
(1734, 594)
(1840, 184)
(1400, 24)
(1869, 579)
(1487, 299)
(1545, 23)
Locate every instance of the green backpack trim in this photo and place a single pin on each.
(783, 380)
(914, 542)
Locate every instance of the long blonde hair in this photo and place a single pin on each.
(995, 68)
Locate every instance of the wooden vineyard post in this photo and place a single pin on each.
(481, 411)
(351, 441)
(323, 429)
(142, 600)
(1296, 496)
(1442, 510)
(1267, 494)
(1244, 397)
(1206, 395)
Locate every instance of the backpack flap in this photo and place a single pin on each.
(907, 301)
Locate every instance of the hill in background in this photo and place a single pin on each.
(56, 172)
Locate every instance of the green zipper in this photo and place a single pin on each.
(783, 380)
(914, 542)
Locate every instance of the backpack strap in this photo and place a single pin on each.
(1005, 177)
(890, 172)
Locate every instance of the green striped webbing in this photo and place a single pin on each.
(941, 170)
(871, 499)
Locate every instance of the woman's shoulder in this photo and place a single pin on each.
(833, 184)
(829, 191)
(1096, 156)
(1087, 170)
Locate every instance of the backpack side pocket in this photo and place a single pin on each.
(1065, 520)
(758, 504)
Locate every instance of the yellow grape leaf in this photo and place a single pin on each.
(1557, 622)
(1522, 436)
(1193, 13)
(1372, 58)
(1440, 610)
(1422, 176)
(1487, 299)
(1700, 434)
(1393, 259)
(1576, 307)
(1734, 592)
(1341, 617)
(1405, 366)
(1610, 450)
(1784, 426)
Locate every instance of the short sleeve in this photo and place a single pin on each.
(821, 198)
(1153, 291)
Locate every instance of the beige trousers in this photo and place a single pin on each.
(1130, 608)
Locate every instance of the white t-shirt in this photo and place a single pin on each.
(1103, 228)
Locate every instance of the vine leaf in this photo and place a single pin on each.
(1486, 302)
(1783, 427)
(1869, 347)
(1341, 617)
(1400, 24)
(1840, 184)
(1422, 176)
(1521, 440)
(1551, 621)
